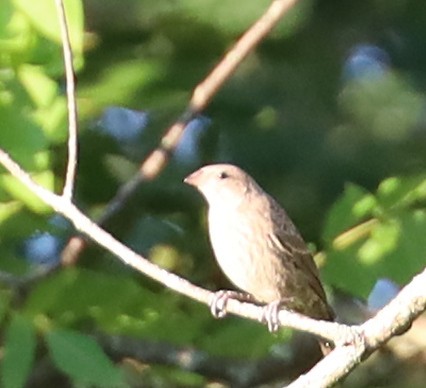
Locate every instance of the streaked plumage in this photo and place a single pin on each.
(256, 244)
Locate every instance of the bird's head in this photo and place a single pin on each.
(222, 184)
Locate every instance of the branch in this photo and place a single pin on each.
(328, 330)
(352, 342)
(72, 106)
(393, 319)
(202, 95)
(205, 91)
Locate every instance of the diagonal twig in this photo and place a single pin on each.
(72, 106)
(352, 342)
(329, 330)
(202, 95)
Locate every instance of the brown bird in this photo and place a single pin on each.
(258, 247)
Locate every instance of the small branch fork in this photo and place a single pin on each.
(201, 97)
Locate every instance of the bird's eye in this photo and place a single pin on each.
(223, 175)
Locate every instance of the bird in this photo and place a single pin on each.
(258, 248)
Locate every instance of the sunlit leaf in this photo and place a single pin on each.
(383, 239)
(19, 191)
(43, 16)
(353, 206)
(401, 191)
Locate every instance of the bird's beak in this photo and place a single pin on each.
(193, 178)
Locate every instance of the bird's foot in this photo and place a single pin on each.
(270, 315)
(271, 312)
(220, 299)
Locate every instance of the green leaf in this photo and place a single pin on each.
(19, 191)
(43, 16)
(231, 338)
(234, 19)
(39, 86)
(383, 239)
(353, 206)
(82, 359)
(408, 256)
(8, 210)
(401, 191)
(394, 249)
(77, 293)
(343, 262)
(19, 351)
(19, 135)
(51, 107)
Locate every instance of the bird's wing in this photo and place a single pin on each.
(291, 243)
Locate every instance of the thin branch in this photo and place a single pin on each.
(354, 234)
(202, 95)
(394, 319)
(352, 342)
(72, 106)
(257, 32)
(206, 90)
(328, 330)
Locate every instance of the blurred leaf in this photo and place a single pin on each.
(112, 303)
(10, 264)
(115, 304)
(8, 209)
(20, 224)
(240, 338)
(19, 135)
(82, 359)
(395, 249)
(222, 13)
(6, 12)
(383, 239)
(50, 110)
(16, 36)
(401, 191)
(19, 352)
(53, 120)
(41, 88)
(124, 78)
(408, 257)
(343, 262)
(353, 206)
(230, 17)
(43, 16)
(389, 245)
(73, 293)
(21, 192)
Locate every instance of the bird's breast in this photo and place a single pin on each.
(242, 250)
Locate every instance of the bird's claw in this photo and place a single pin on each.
(220, 300)
(271, 313)
(270, 316)
(218, 303)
